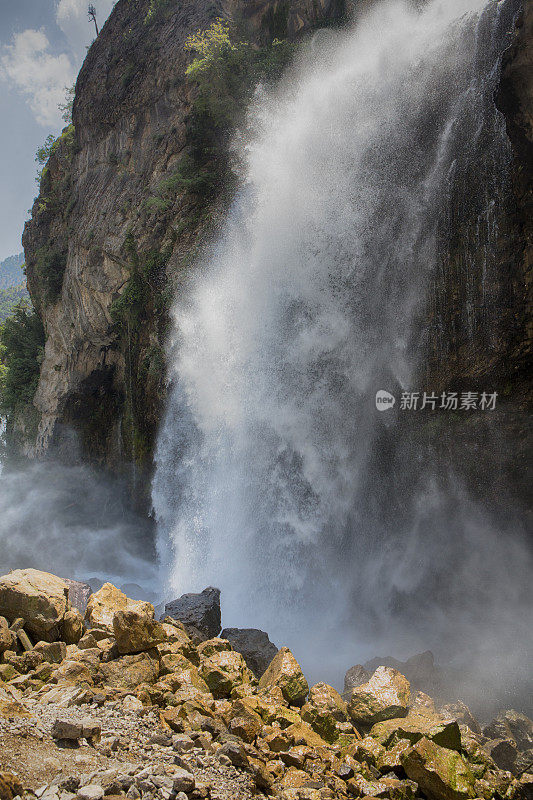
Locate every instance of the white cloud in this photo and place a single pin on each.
(30, 67)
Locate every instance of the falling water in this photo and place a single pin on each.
(323, 521)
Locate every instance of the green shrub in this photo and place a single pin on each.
(50, 264)
(21, 354)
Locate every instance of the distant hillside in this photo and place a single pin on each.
(11, 273)
(10, 297)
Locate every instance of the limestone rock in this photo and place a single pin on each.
(285, 673)
(136, 630)
(36, 597)
(8, 640)
(419, 723)
(254, 645)
(200, 612)
(441, 774)
(103, 605)
(385, 696)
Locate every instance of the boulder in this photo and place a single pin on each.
(72, 626)
(419, 722)
(8, 640)
(128, 672)
(503, 752)
(52, 652)
(254, 646)
(104, 604)
(511, 725)
(38, 598)
(356, 676)
(198, 612)
(78, 594)
(136, 630)
(441, 774)
(462, 714)
(224, 671)
(385, 696)
(326, 712)
(285, 673)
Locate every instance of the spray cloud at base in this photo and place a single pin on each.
(341, 531)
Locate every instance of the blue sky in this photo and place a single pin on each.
(42, 47)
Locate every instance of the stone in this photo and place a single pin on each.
(285, 673)
(356, 676)
(503, 752)
(325, 711)
(73, 672)
(131, 703)
(65, 729)
(223, 671)
(24, 640)
(200, 612)
(8, 639)
(462, 714)
(136, 630)
(418, 723)
(103, 605)
(72, 626)
(129, 671)
(385, 696)
(91, 729)
(511, 725)
(183, 781)
(10, 786)
(52, 652)
(236, 754)
(254, 645)
(38, 598)
(441, 774)
(87, 642)
(91, 792)
(78, 594)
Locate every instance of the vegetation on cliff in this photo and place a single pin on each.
(21, 353)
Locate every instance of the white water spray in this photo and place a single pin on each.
(276, 478)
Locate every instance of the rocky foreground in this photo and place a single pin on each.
(99, 698)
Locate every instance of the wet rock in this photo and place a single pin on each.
(38, 598)
(441, 774)
(254, 645)
(285, 672)
(200, 612)
(136, 630)
(385, 696)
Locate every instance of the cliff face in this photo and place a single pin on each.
(111, 232)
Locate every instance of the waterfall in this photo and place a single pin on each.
(327, 522)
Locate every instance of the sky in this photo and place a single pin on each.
(42, 47)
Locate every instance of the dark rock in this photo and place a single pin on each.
(511, 725)
(254, 646)
(198, 611)
(356, 676)
(236, 754)
(64, 729)
(504, 753)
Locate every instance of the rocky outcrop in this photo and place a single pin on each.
(37, 598)
(385, 696)
(110, 208)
